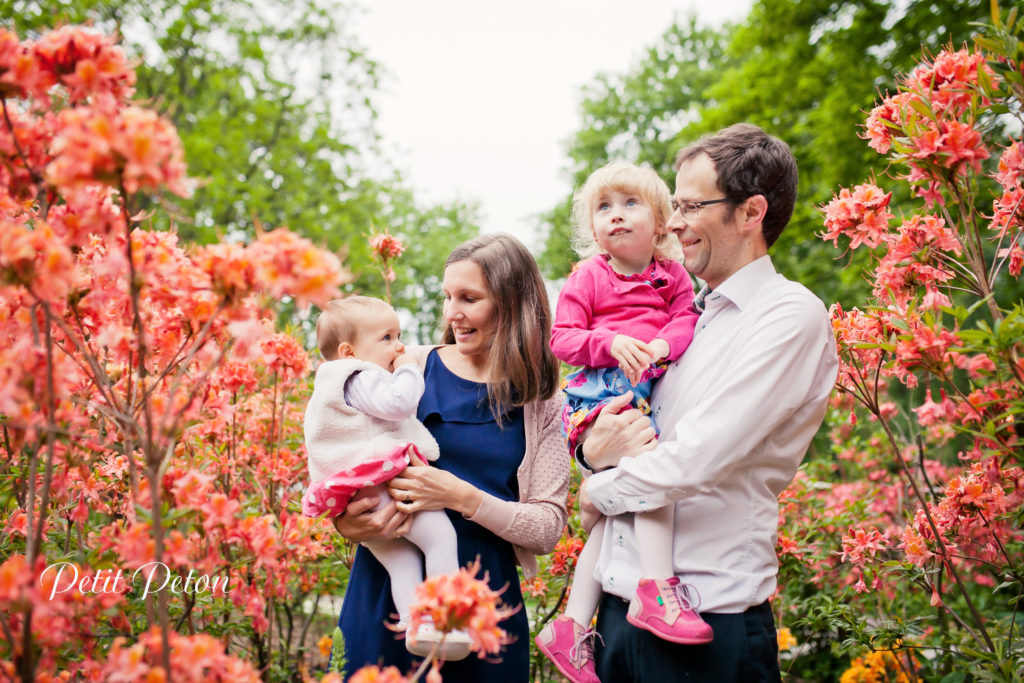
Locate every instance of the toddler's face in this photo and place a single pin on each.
(624, 227)
(378, 339)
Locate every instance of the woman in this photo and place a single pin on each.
(492, 404)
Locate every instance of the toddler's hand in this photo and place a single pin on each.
(634, 356)
(659, 349)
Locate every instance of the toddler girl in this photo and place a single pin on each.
(360, 430)
(623, 315)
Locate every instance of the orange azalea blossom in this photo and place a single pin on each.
(879, 667)
(325, 645)
(1008, 213)
(134, 146)
(862, 545)
(286, 264)
(915, 257)
(229, 267)
(374, 674)
(1016, 255)
(535, 587)
(861, 215)
(567, 552)
(950, 80)
(386, 246)
(283, 354)
(88, 64)
(785, 639)
(462, 602)
(1011, 166)
(929, 412)
(193, 658)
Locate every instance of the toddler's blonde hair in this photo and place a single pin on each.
(622, 176)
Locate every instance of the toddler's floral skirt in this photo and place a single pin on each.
(588, 391)
(332, 495)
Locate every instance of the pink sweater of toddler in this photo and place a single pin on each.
(598, 303)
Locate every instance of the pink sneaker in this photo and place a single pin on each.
(571, 648)
(664, 608)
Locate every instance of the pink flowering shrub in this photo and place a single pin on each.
(908, 540)
(150, 454)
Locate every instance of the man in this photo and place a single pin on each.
(736, 414)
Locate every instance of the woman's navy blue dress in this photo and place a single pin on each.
(475, 449)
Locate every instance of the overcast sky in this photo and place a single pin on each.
(480, 98)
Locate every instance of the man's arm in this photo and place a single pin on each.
(791, 346)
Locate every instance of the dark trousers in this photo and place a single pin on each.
(745, 649)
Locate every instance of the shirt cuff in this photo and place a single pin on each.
(602, 489)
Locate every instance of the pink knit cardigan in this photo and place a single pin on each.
(533, 524)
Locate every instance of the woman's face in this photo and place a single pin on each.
(468, 307)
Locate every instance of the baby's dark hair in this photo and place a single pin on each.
(338, 322)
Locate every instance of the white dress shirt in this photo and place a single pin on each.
(736, 413)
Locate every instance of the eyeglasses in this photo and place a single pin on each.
(690, 208)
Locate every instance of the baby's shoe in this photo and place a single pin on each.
(422, 642)
(664, 608)
(571, 648)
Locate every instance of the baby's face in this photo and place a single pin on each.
(378, 339)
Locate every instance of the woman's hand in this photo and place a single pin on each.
(422, 487)
(362, 522)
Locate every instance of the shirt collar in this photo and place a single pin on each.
(743, 285)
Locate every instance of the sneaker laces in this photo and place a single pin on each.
(685, 596)
(583, 649)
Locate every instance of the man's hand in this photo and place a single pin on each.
(633, 355)
(361, 522)
(616, 435)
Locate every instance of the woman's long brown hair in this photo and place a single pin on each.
(519, 360)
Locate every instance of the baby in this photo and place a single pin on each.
(360, 430)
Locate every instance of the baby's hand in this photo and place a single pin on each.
(634, 356)
(403, 359)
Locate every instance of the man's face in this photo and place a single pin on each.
(710, 237)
